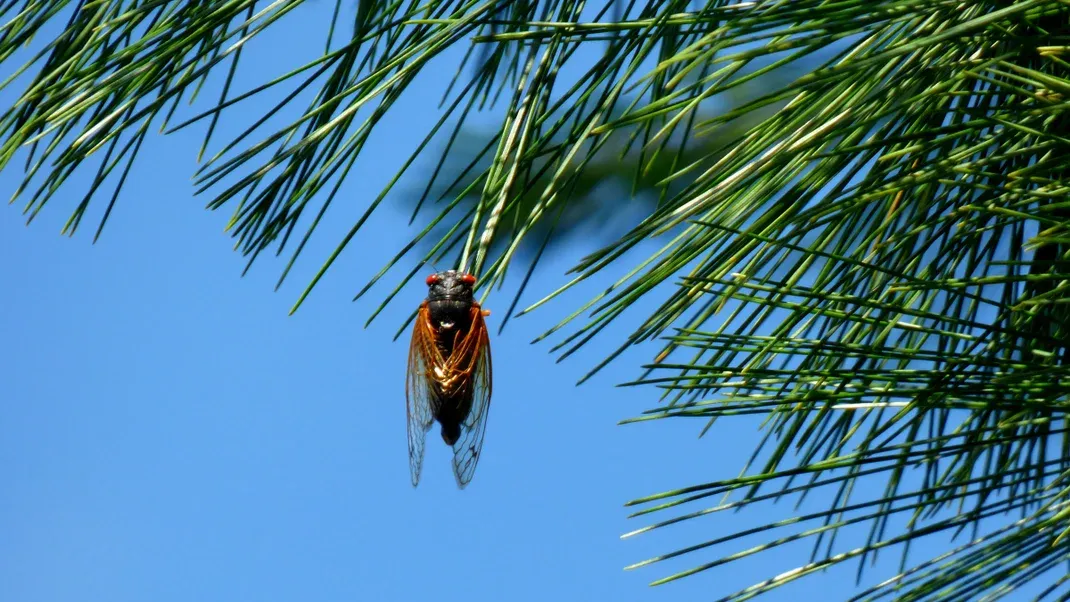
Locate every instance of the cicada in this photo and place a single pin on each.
(449, 373)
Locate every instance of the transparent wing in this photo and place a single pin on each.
(419, 401)
(466, 449)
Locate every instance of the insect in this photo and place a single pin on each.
(449, 373)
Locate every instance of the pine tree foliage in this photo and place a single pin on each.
(875, 262)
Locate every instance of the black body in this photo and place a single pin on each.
(449, 303)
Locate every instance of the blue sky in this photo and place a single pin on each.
(169, 433)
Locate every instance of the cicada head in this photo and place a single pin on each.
(450, 286)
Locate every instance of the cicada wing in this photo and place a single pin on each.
(419, 399)
(467, 448)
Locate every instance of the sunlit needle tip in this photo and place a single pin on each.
(636, 532)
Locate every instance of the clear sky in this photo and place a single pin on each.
(169, 434)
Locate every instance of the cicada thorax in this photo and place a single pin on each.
(451, 319)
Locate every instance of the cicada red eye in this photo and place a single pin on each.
(468, 279)
(433, 278)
